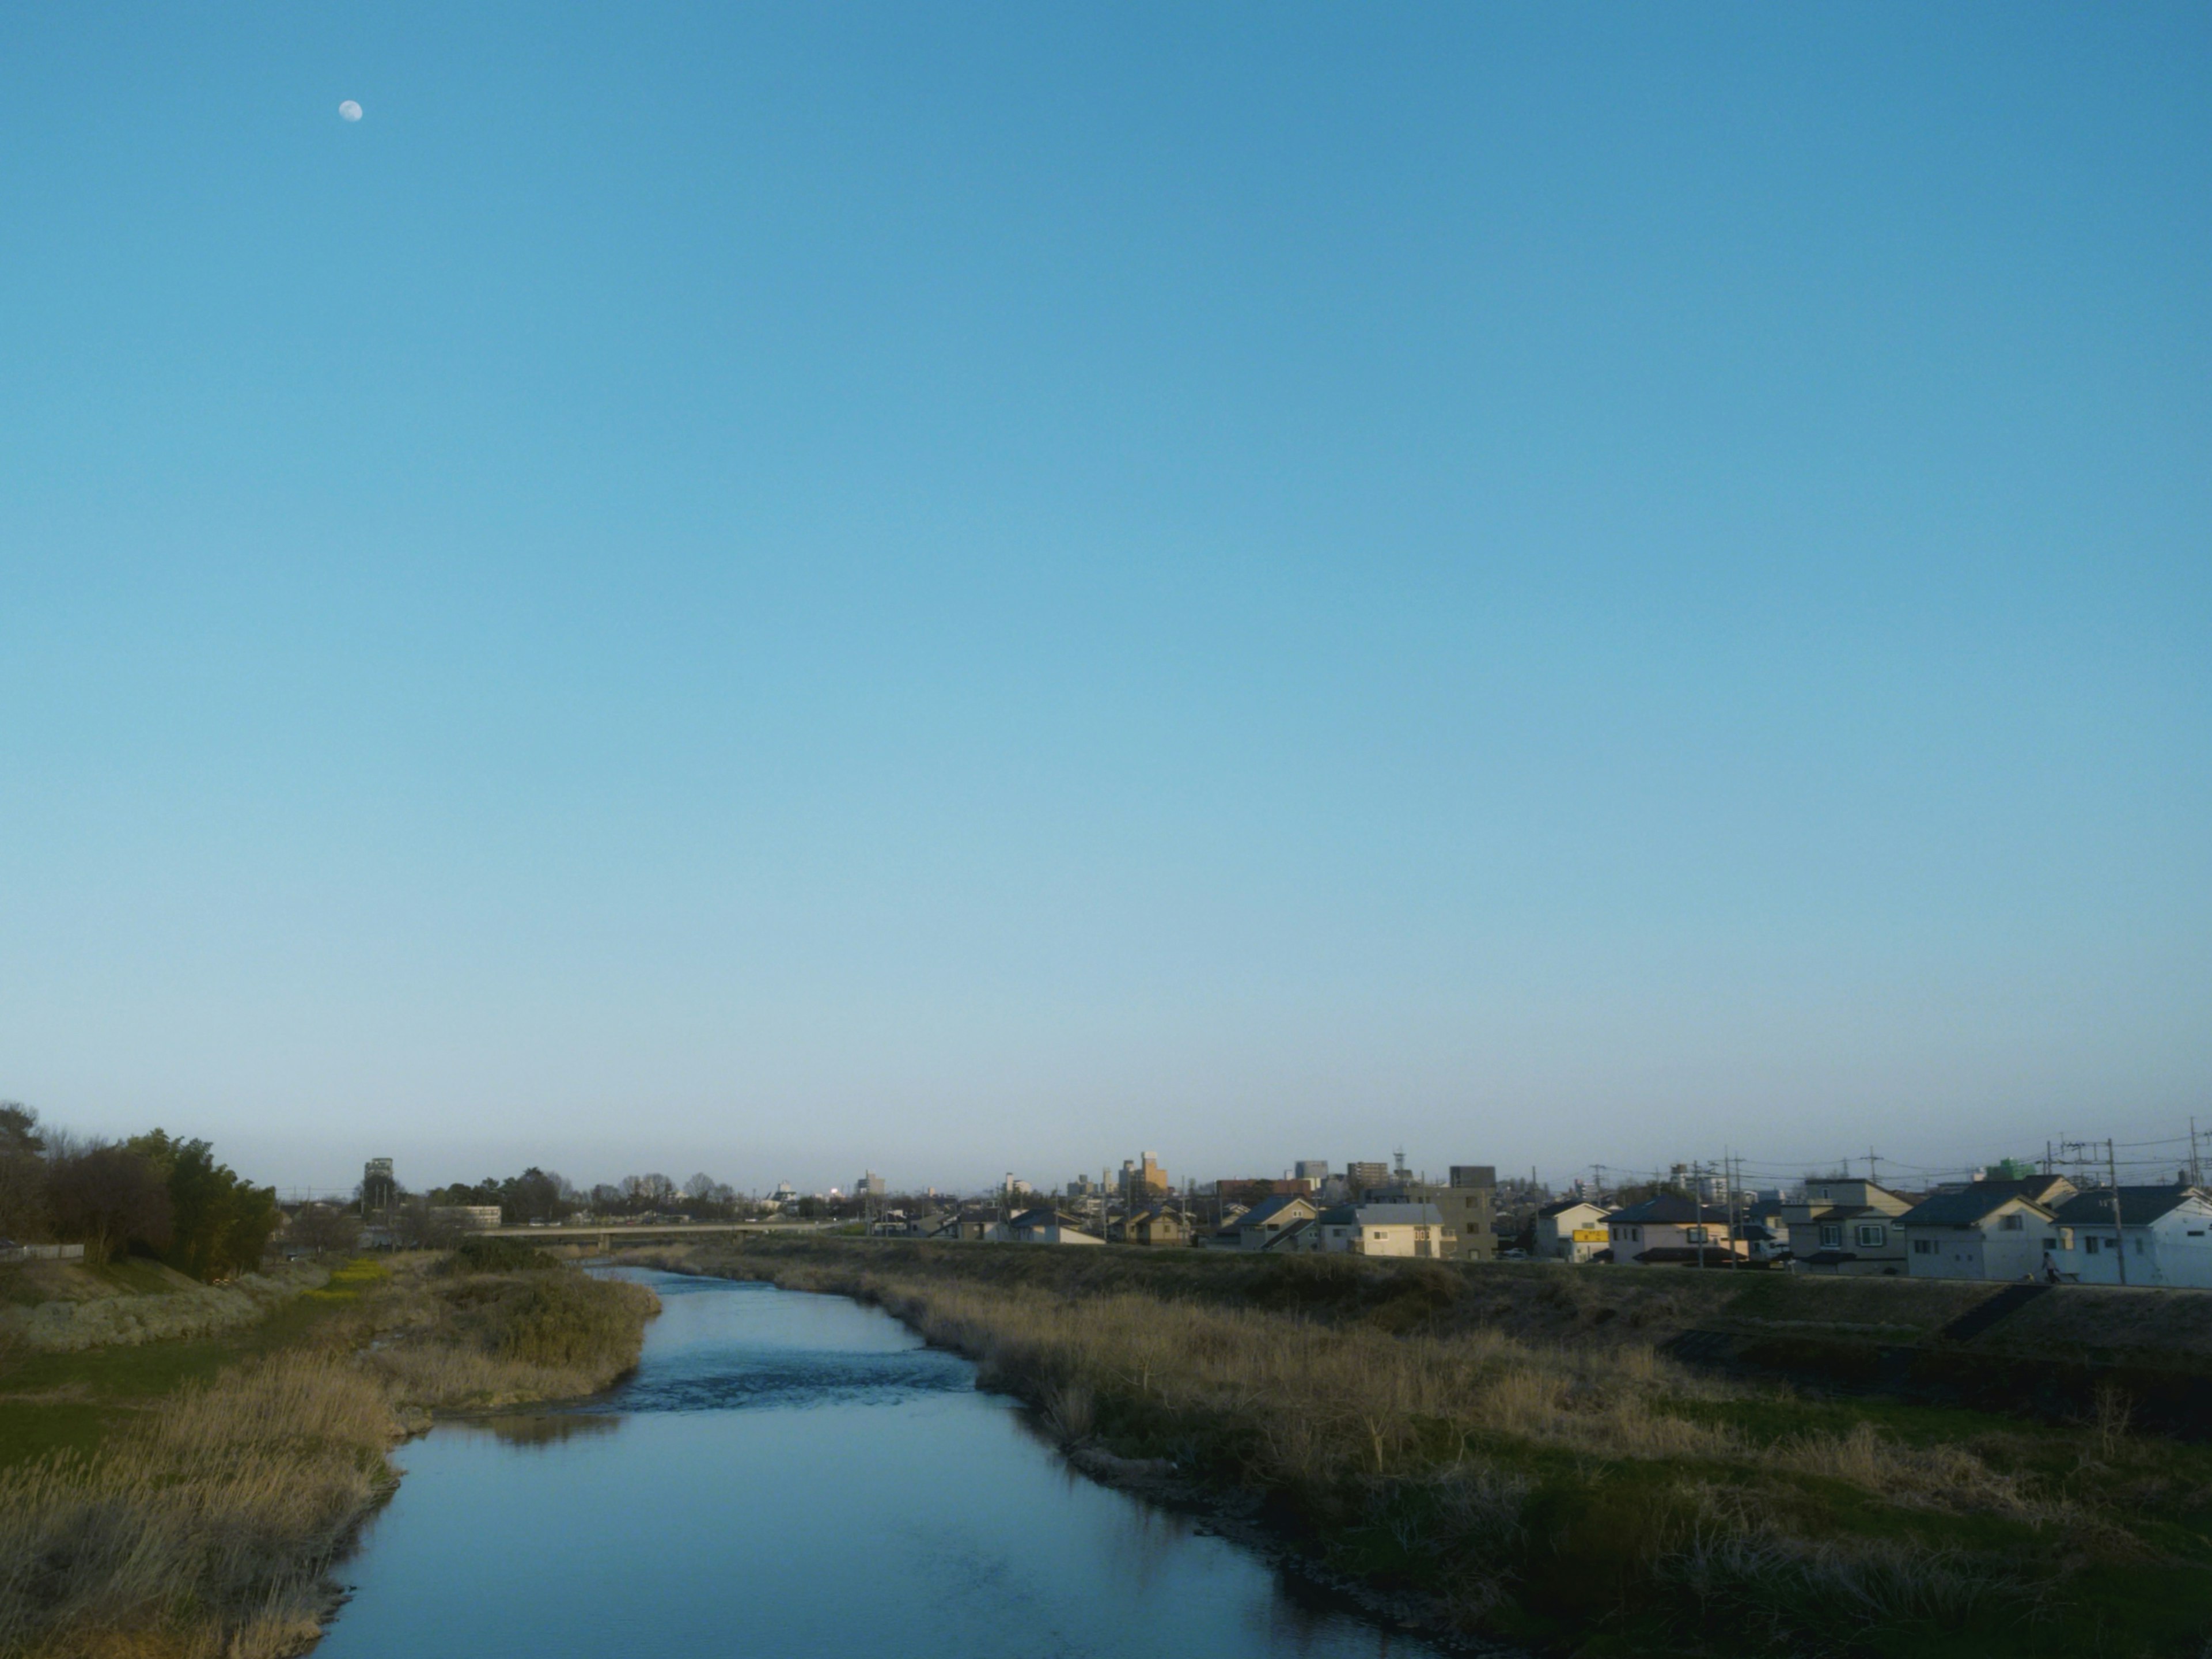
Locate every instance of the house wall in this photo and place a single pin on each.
(1952, 1253)
(1401, 1238)
(1557, 1241)
(2174, 1250)
(1467, 1211)
(1665, 1236)
(1877, 1258)
(1991, 1251)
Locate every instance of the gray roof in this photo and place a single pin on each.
(1968, 1208)
(1266, 1210)
(1669, 1209)
(2139, 1205)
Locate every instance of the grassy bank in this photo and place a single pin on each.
(189, 1499)
(1562, 1485)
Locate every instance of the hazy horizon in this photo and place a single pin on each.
(777, 591)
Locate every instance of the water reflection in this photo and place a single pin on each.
(534, 1430)
(794, 1473)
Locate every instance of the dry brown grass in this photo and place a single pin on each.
(209, 1527)
(1413, 1452)
(206, 1530)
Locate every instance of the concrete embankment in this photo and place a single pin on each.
(92, 1313)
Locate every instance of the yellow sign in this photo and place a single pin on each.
(1591, 1236)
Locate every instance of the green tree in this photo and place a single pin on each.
(218, 1224)
(23, 1210)
(108, 1197)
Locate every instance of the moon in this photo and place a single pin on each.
(349, 110)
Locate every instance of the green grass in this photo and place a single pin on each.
(74, 1402)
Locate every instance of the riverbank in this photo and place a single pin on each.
(66, 1307)
(1568, 1489)
(185, 1500)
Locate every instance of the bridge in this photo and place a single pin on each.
(606, 1236)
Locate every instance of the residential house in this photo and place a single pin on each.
(1046, 1227)
(1848, 1226)
(1572, 1230)
(2168, 1232)
(1413, 1230)
(1987, 1230)
(1667, 1231)
(1256, 1228)
(1156, 1224)
(1297, 1236)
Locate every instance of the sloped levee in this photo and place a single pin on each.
(187, 1312)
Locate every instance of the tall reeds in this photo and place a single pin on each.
(1590, 1484)
(208, 1527)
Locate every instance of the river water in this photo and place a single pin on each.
(788, 1473)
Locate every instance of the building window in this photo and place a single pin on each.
(1694, 1235)
(2050, 1243)
(2014, 1222)
(2089, 1244)
(2138, 1242)
(1923, 1247)
(2066, 1239)
(1831, 1236)
(1873, 1237)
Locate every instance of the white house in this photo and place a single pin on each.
(1572, 1230)
(1991, 1230)
(2168, 1232)
(1381, 1230)
(1670, 1230)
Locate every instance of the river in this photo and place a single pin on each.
(787, 1474)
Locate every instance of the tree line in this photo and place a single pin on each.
(545, 1195)
(155, 1195)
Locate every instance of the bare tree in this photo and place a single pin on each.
(321, 1227)
(108, 1196)
(419, 1225)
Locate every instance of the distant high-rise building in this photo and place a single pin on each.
(1474, 1174)
(379, 1192)
(1360, 1177)
(1143, 1179)
(1312, 1171)
(870, 1185)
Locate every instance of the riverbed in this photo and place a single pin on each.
(791, 1473)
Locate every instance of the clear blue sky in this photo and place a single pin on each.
(962, 589)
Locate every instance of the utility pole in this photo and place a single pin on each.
(1727, 1191)
(1874, 1174)
(2195, 1169)
(2119, 1234)
(1697, 1198)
